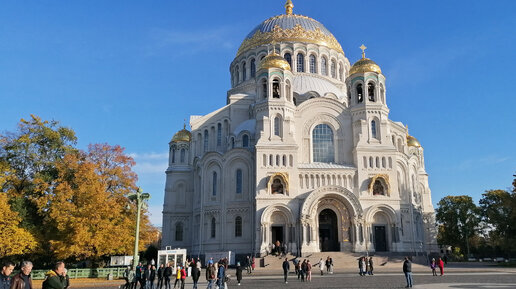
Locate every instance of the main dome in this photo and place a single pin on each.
(289, 28)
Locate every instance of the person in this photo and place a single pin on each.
(160, 272)
(432, 266)
(238, 273)
(55, 279)
(146, 276)
(221, 277)
(370, 263)
(321, 266)
(5, 277)
(286, 269)
(407, 270)
(296, 267)
(441, 266)
(366, 262)
(210, 274)
(196, 273)
(327, 264)
(132, 278)
(152, 277)
(361, 266)
(253, 264)
(277, 247)
(23, 280)
(139, 271)
(302, 270)
(183, 277)
(248, 265)
(308, 271)
(331, 266)
(178, 276)
(127, 284)
(67, 278)
(167, 273)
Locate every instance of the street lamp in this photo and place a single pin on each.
(139, 197)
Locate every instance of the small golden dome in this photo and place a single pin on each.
(364, 64)
(274, 60)
(412, 141)
(182, 136)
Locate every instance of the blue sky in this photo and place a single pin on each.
(129, 72)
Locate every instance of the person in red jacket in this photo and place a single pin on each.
(441, 266)
(183, 277)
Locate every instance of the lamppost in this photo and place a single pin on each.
(139, 197)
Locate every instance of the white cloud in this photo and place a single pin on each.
(481, 162)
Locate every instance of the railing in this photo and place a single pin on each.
(84, 273)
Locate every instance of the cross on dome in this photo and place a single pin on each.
(288, 7)
(363, 47)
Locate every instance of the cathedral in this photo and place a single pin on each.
(303, 153)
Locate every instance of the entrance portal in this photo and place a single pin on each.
(380, 240)
(277, 234)
(328, 231)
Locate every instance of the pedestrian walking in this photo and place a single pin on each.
(253, 263)
(331, 265)
(152, 277)
(370, 262)
(132, 279)
(432, 266)
(286, 269)
(248, 265)
(238, 273)
(23, 280)
(327, 264)
(366, 261)
(441, 266)
(210, 274)
(196, 273)
(361, 266)
(55, 279)
(139, 273)
(296, 267)
(160, 272)
(302, 271)
(321, 266)
(178, 276)
(183, 277)
(308, 271)
(407, 270)
(221, 277)
(146, 276)
(5, 276)
(167, 274)
(127, 272)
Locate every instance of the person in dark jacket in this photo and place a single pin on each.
(370, 272)
(196, 273)
(286, 269)
(221, 277)
(5, 275)
(23, 280)
(407, 269)
(139, 273)
(152, 277)
(167, 273)
(238, 273)
(55, 279)
(161, 270)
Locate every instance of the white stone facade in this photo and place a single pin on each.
(314, 164)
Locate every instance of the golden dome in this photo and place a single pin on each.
(274, 60)
(412, 141)
(364, 64)
(182, 136)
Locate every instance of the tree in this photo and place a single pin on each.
(459, 219)
(13, 239)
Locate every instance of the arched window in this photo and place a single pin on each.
(179, 231)
(341, 72)
(245, 141)
(239, 181)
(173, 155)
(183, 153)
(264, 88)
(373, 129)
(253, 68)
(214, 184)
(238, 226)
(300, 62)
(378, 188)
(382, 93)
(288, 58)
(370, 91)
(324, 66)
(219, 134)
(287, 90)
(276, 89)
(360, 96)
(322, 144)
(333, 69)
(213, 227)
(313, 67)
(232, 142)
(277, 126)
(237, 74)
(206, 140)
(244, 71)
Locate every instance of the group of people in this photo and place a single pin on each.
(146, 275)
(439, 263)
(54, 279)
(365, 266)
(407, 269)
(278, 249)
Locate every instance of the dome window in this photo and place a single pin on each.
(341, 72)
(244, 71)
(264, 88)
(373, 129)
(300, 62)
(237, 75)
(360, 96)
(253, 67)
(333, 69)
(370, 91)
(313, 67)
(324, 66)
(288, 58)
(182, 156)
(275, 89)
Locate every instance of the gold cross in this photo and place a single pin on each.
(363, 47)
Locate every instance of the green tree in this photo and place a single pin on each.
(459, 220)
(497, 207)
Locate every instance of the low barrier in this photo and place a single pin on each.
(84, 273)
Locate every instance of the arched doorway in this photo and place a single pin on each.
(328, 231)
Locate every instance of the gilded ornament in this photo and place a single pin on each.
(385, 178)
(282, 187)
(295, 34)
(364, 64)
(412, 141)
(274, 61)
(182, 136)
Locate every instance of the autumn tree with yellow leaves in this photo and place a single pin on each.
(73, 203)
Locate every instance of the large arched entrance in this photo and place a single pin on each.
(328, 231)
